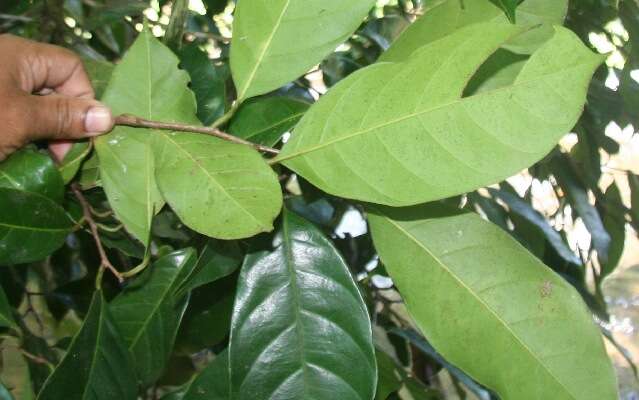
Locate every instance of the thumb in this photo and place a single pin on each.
(59, 117)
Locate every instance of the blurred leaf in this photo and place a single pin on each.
(318, 305)
(96, 365)
(100, 74)
(90, 173)
(633, 181)
(384, 31)
(388, 378)
(31, 226)
(4, 393)
(32, 171)
(214, 7)
(480, 138)
(208, 82)
(265, 120)
(524, 315)
(6, 315)
(213, 382)
(614, 222)
(509, 7)
(148, 314)
(175, 31)
(270, 46)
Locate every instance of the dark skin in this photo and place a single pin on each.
(45, 94)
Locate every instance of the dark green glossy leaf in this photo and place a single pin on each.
(213, 382)
(217, 260)
(516, 311)
(31, 226)
(300, 324)
(265, 120)
(97, 365)
(32, 171)
(368, 139)
(148, 313)
(207, 82)
(276, 41)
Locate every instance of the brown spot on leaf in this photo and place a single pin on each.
(546, 289)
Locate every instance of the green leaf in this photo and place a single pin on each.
(96, 365)
(614, 222)
(388, 378)
(394, 126)
(633, 181)
(234, 193)
(213, 382)
(148, 84)
(509, 7)
(312, 323)
(514, 310)
(100, 74)
(31, 226)
(175, 30)
(4, 393)
(32, 171)
(265, 120)
(148, 313)
(449, 16)
(217, 260)
(276, 41)
(73, 160)
(207, 82)
(6, 315)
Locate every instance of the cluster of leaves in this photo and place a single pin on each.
(241, 284)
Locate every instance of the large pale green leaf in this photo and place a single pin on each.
(300, 329)
(217, 188)
(276, 41)
(484, 302)
(449, 16)
(147, 84)
(148, 313)
(97, 365)
(32, 171)
(402, 134)
(265, 120)
(213, 382)
(31, 226)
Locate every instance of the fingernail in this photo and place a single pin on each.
(98, 120)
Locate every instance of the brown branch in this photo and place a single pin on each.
(137, 122)
(86, 210)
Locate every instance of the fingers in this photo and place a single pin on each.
(59, 149)
(58, 117)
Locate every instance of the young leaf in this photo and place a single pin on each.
(265, 120)
(299, 309)
(213, 382)
(276, 41)
(97, 365)
(395, 126)
(148, 314)
(515, 311)
(32, 171)
(233, 192)
(449, 16)
(148, 84)
(31, 226)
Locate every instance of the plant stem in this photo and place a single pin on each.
(137, 122)
(86, 210)
(227, 117)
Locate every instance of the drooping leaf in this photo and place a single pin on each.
(216, 260)
(394, 126)
(577, 194)
(6, 316)
(313, 325)
(276, 41)
(73, 160)
(147, 84)
(509, 7)
(235, 193)
(97, 365)
(525, 210)
(31, 226)
(31, 171)
(515, 311)
(265, 120)
(148, 313)
(213, 382)
(207, 82)
(450, 16)
(614, 222)
(175, 30)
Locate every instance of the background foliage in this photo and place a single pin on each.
(173, 332)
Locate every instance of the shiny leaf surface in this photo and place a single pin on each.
(97, 365)
(32, 171)
(276, 41)
(299, 323)
(213, 382)
(374, 134)
(516, 310)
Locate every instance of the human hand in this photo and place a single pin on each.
(45, 93)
